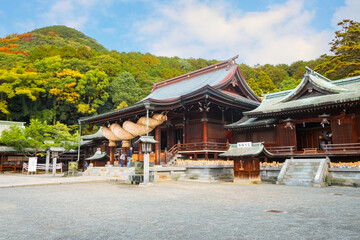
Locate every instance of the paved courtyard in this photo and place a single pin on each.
(178, 210)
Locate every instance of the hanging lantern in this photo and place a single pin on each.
(289, 123)
(324, 120)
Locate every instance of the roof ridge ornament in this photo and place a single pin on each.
(309, 71)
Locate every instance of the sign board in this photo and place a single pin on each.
(244, 144)
(32, 164)
(98, 151)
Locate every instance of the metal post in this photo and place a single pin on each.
(78, 158)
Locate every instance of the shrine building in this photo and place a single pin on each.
(319, 118)
(195, 107)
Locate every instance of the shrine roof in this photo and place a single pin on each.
(217, 80)
(176, 89)
(97, 156)
(255, 150)
(314, 91)
(247, 122)
(96, 135)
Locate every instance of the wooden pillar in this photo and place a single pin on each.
(184, 128)
(204, 121)
(141, 155)
(157, 145)
(124, 152)
(112, 155)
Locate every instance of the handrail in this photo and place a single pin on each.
(171, 152)
(344, 147)
(282, 150)
(197, 146)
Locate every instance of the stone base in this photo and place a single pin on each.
(247, 181)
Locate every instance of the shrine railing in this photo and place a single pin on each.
(342, 148)
(283, 150)
(193, 147)
(203, 146)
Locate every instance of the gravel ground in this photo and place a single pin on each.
(178, 210)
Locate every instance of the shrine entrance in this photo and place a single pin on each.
(179, 131)
(313, 135)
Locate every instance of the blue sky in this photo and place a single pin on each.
(260, 31)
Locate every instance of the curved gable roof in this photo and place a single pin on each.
(218, 76)
(332, 92)
(186, 86)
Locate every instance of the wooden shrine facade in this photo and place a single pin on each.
(318, 118)
(198, 105)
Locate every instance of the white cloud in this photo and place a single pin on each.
(72, 13)
(282, 34)
(351, 11)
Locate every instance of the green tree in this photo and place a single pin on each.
(33, 139)
(124, 88)
(265, 83)
(92, 89)
(346, 49)
(254, 86)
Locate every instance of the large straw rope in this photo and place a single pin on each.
(130, 130)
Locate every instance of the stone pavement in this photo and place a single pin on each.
(21, 180)
(178, 210)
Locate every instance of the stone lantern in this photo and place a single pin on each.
(145, 146)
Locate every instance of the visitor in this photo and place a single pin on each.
(122, 159)
(86, 165)
(129, 155)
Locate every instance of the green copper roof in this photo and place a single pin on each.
(97, 156)
(254, 150)
(146, 139)
(96, 135)
(330, 92)
(247, 122)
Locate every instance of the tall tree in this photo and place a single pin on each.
(92, 89)
(124, 89)
(266, 84)
(346, 49)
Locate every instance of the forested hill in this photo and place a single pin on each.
(57, 73)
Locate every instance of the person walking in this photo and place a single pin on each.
(122, 159)
(129, 156)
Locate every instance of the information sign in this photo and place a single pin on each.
(244, 144)
(32, 164)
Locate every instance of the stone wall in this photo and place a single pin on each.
(269, 174)
(344, 176)
(198, 173)
(337, 176)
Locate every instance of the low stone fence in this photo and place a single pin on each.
(345, 176)
(196, 173)
(337, 176)
(269, 174)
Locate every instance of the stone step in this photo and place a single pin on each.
(292, 183)
(299, 176)
(302, 167)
